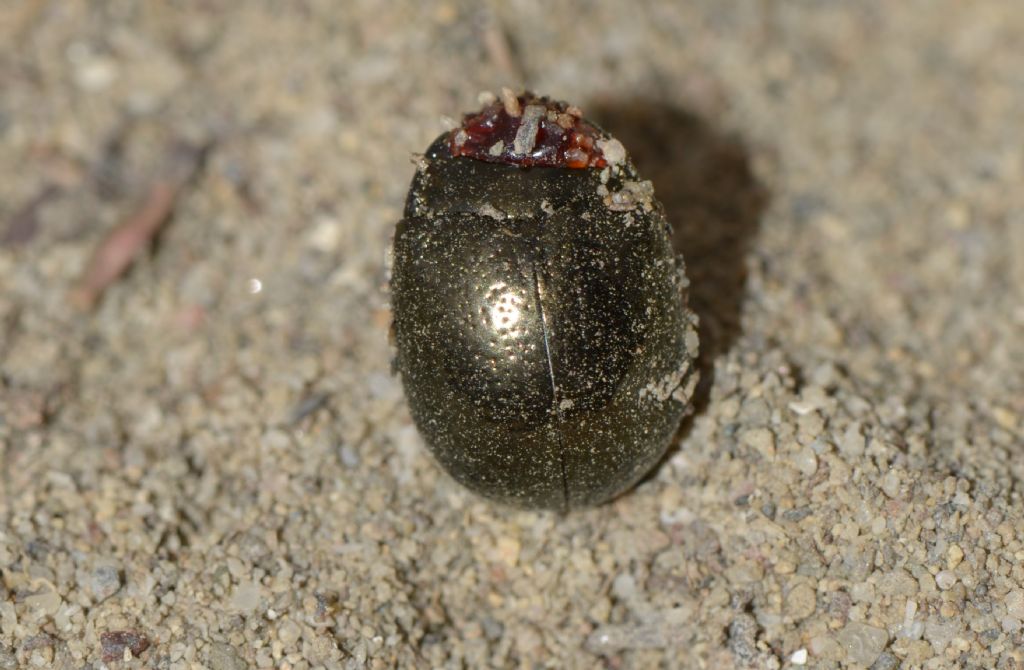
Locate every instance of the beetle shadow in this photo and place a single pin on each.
(714, 203)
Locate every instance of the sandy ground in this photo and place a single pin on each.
(214, 468)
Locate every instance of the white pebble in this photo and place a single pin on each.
(246, 597)
(761, 439)
(852, 443)
(95, 74)
(526, 136)
(863, 643)
(612, 150)
(822, 645)
(1015, 604)
(806, 461)
(325, 235)
(945, 580)
(890, 484)
(802, 408)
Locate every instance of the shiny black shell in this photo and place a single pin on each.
(540, 327)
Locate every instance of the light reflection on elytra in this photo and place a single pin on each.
(506, 310)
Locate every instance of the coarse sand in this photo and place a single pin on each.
(214, 467)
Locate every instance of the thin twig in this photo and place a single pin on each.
(307, 406)
(122, 245)
(499, 49)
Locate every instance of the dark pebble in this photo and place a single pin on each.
(116, 641)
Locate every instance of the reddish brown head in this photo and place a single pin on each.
(528, 130)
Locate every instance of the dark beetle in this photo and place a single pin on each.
(540, 321)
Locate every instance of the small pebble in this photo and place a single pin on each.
(246, 597)
(222, 656)
(349, 456)
(945, 580)
(743, 638)
(288, 632)
(508, 551)
(954, 555)
(761, 439)
(46, 603)
(886, 661)
(863, 643)
(104, 582)
(116, 643)
(939, 632)
(863, 592)
(806, 461)
(890, 484)
(800, 602)
(852, 443)
(1015, 604)
(823, 646)
(95, 73)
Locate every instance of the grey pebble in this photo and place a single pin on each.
(885, 661)
(349, 456)
(743, 637)
(223, 657)
(863, 643)
(104, 582)
(798, 514)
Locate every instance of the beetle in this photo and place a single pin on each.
(539, 313)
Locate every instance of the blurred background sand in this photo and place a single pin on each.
(214, 467)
